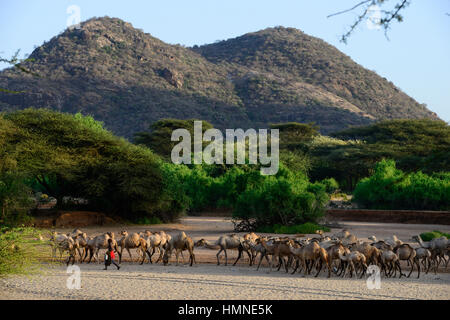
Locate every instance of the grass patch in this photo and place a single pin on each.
(428, 236)
(306, 228)
(20, 251)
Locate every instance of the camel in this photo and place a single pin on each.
(437, 247)
(371, 253)
(322, 237)
(68, 244)
(179, 242)
(305, 255)
(424, 255)
(345, 237)
(280, 250)
(55, 240)
(390, 259)
(406, 252)
(153, 242)
(131, 241)
(333, 253)
(101, 242)
(259, 248)
(226, 242)
(392, 241)
(354, 258)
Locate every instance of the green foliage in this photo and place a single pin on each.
(285, 198)
(428, 236)
(414, 145)
(294, 135)
(306, 228)
(148, 220)
(391, 188)
(19, 253)
(330, 184)
(14, 199)
(159, 137)
(67, 155)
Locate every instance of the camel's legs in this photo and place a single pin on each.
(129, 252)
(412, 268)
(217, 255)
(239, 256)
(320, 268)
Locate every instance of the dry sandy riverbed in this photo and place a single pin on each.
(208, 281)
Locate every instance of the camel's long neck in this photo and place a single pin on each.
(211, 245)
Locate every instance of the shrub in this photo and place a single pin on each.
(285, 199)
(390, 188)
(428, 236)
(330, 184)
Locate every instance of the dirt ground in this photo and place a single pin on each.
(206, 280)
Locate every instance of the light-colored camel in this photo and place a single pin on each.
(392, 241)
(425, 257)
(226, 242)
(345, 237)
(306, 256)
(101, 242)
(437, 247)
(371, 253)
(132, 241)
(179, 242)
(390, 260)
(352, 260)
(280, 250)
(55, 240)
(153, 242)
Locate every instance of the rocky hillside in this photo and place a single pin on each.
(129, 79)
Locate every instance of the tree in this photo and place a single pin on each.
(384, 21)
(17, 64)
(66, 155)
(158, 138)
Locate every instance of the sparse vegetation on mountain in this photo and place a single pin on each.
(128, 79)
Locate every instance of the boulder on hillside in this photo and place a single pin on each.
(173, 77)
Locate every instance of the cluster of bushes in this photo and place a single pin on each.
(73, 155)
(428, 236)
(391, 188)
(287, 198)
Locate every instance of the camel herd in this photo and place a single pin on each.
(340, 254)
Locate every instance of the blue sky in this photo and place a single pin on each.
(416, 58)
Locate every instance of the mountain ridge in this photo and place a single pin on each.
(128, 79)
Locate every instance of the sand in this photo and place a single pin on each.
(206, 280)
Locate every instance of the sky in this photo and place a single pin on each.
(416, 57)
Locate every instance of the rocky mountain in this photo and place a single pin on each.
(129, 79)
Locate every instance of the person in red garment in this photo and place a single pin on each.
(109, 256)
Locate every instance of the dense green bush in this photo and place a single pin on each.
(73, 155)
(428, 236)
(285, 198)
(391, 188)
(330, 184)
